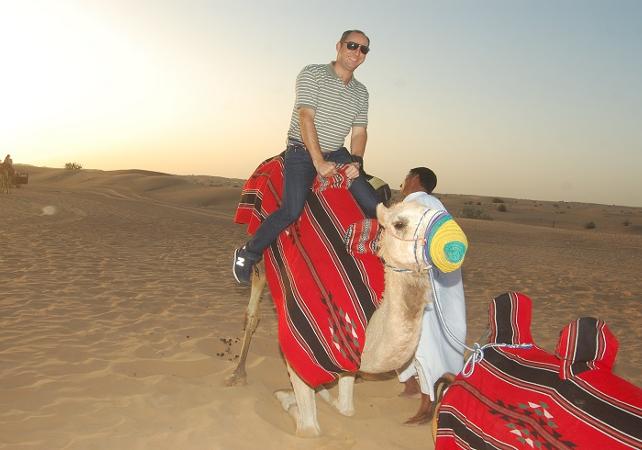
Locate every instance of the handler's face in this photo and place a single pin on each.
(406, 185)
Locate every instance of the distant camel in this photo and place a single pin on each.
(393, 331)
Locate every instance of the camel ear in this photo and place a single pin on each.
(382, 214)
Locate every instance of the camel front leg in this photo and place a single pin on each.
(345, 400)
(344, 403)
(239, 377)
(301, 405)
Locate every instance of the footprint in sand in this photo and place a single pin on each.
(49, 210)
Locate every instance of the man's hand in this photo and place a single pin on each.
(325, 168)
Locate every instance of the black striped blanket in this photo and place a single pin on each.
(324, 293)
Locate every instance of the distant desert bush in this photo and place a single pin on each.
(498, 200)
(626, 223)
(470, 212)
(590, 225)
(73, 166)
(502, 208)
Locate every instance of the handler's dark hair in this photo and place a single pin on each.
(346, 33)
(427, 178)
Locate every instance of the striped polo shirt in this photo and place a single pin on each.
(338, 107)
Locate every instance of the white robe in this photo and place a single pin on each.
(437, 353)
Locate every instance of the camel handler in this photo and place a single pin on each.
(436, 353)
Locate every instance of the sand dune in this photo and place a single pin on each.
(120, 318)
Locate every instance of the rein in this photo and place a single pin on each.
(477, 350)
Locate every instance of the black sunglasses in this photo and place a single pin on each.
(353, 46)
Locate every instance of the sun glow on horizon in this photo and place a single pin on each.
(82, 82)
(545, 106)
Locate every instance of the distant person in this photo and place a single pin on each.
(436, 353)
(330, 103)
(8, 165)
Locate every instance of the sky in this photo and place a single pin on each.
(526, 99)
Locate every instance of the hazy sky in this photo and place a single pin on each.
(530, 99)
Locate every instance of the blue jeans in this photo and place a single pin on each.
(299, 174)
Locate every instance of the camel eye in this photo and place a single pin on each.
(399, 225)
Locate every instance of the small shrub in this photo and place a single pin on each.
(590, 225)
(73, 166)
(501, 208)
(498, 200)
(470, 212)
(626, 223)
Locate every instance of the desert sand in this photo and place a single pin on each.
(120, 319)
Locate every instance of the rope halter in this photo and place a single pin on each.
(442, 244)
(442, 247)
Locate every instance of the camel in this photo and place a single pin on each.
(392, 333)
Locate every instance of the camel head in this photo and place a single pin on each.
(401, 226)
(415, 238)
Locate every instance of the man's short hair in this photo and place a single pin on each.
(427, 178)
(346, 33)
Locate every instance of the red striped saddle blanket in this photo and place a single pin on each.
(528, 398)
(323, 292)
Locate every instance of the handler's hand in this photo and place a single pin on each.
(325, 168)
(352, 170)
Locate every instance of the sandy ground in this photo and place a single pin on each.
(120, 320)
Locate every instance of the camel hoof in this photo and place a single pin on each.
(286, 398)
(348, 412)
(236, 380)
(308, 432)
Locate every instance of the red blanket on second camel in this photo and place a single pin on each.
(531, 399)
(324, 293)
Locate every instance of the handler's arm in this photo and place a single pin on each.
(311, 141)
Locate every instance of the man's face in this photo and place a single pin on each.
(351, 59)
(407, 187)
